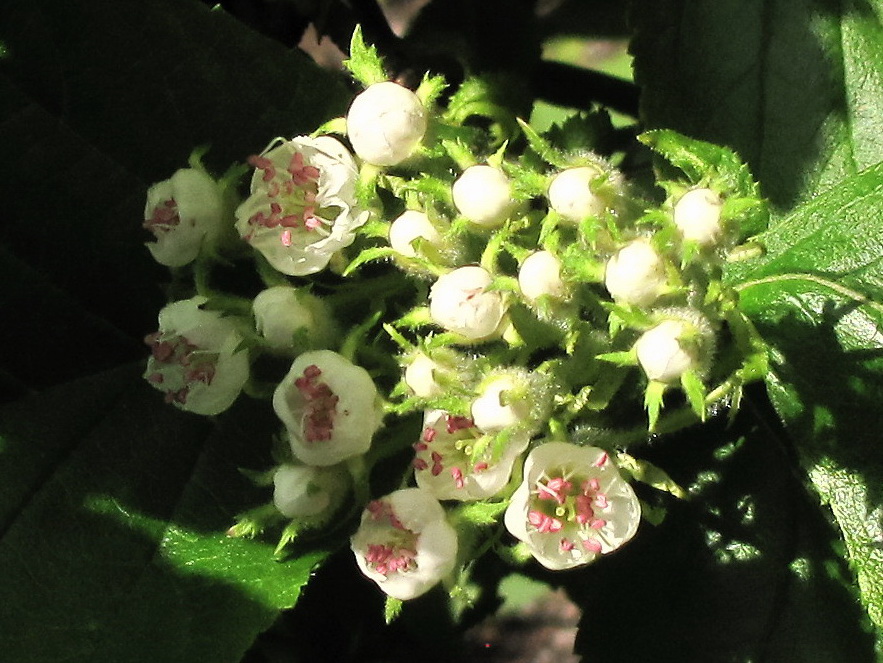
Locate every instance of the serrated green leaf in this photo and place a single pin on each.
(364, 63)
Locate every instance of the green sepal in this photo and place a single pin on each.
(653, 402)
(478, 514)
(364, 63)
(430, 89)
(369, 255)
(542, 147)
(695, 390)
(648, 473)
(623, 358)
(416, 317)
(392, 609)
(253, 522)
(335, 125)
(289, 534)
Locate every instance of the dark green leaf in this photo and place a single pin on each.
(113, 511)
(794, 86)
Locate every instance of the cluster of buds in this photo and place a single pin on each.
(518, 291)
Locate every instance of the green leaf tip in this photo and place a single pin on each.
(364, 63)
(391, 609)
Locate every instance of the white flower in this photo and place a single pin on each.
(459, 302)
(302, 207)
(419, 376)
(491, 415)
(385, 123)
(301, 491)
(329, 408)
(572, 507)
(281, 312)
(540, 274)
(404, 543)
(661, 354)
(183, 213)
(571, 195)
(195, 358)
(636, 274)
(697, 214)
(446, 462)
(483, 195)
(408, 227)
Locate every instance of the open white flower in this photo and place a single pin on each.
(302, 207)
(282, 312)
(483, 194)
(636, 274)
(572, 507)
(697, 214)
(183, 212)
(404, 543)
(385, 123)
(459, 302)
(571, 194)
(662, 355)
(446, 463)
(302, 491)
(195, 358)
(408, 227)
(540, 274)
(329, 407)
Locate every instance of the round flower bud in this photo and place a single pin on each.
(183, 212)
(572, 507)
(385, 123)
(636, 274)
(662, 355)
(491, 415)
(447, 464)
(540, 274)
(301, 491)
(196, 358)
(329, 408)
(483, 195)
(282, 312)
(459, 303)
(408, 227)
(698, 216)
(404, 543)
(571, 195)
(419, 377)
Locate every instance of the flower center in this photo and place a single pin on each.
(320, 405)
(178, 365)
(396, 548)
(292, 196)
(163, 218)
(449, 445)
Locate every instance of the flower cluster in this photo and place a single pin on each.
(442, 307)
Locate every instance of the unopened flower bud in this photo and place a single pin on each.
(385, 123)
(483, 195)
(282, 312)
(183, 213)
(662, 353)
(404, 543)
(571, 195)
(636, 274)
(408, 227)
(460, 303)
(502, 403)
(572, 507)
(419, 376)
(302, 491)
(697, 214)
(540, 274)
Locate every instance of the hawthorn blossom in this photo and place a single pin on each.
(483, 194)
(408, 227)
(662, 354)
(459, 302)
(489, 411)
(183, 213)
(302, 491)
(196, 359)
(329, 407)
(404, 544)
(302, 207)
(386, 123)
(283, 312)
(419, 376)
(571, 193)
(636, 274)
(447, 463)
(572, 507)
(540, 275)
(697, 214)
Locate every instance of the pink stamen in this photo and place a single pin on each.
(320, 405)
(419, 464)
(544, 523)
(429, 434)
(457, 475)
(566, 546)
(480, 467)
(592, 545)
(602, 460)
(598, 523)
(455, 423)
